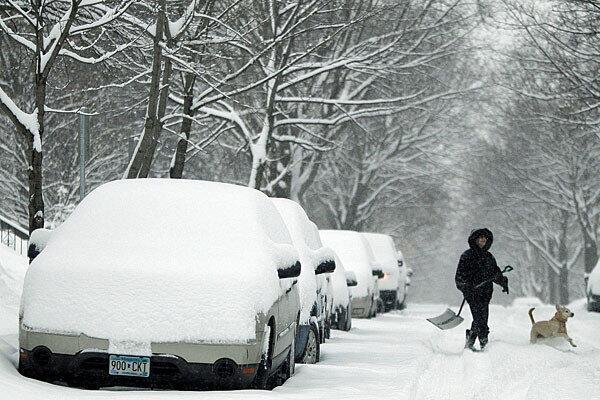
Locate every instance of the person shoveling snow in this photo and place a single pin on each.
(478, 265)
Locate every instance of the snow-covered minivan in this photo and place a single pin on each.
(392, 286)
(163, 283)
(316, 260)
(356, 255)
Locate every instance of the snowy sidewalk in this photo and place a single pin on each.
(398, 356)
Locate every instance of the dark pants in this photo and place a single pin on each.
(480, 311)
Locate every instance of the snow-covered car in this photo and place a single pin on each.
(392, 286)
(405, 275)
(593, 289)
(342, 280)
(316, 260)
(163, 283)
(356, 255)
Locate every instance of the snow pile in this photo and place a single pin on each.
(153, 260)
(356, 255)
(306, 240)
(593, 285)
(341, 292)
(12, 270)
(385, 254)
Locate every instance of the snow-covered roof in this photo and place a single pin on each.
(356, 255)
(305, 238)
(161, 260)
(383, 249)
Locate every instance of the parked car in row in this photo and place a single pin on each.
(342, 280)
(354, 252)
(593, 289)
(164, 283)
(316, 260)
(393, 284)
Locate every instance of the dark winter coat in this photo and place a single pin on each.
(477, 265)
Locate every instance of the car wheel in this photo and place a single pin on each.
(312, 351)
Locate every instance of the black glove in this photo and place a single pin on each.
(504, 284)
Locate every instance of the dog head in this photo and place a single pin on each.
(563, 313)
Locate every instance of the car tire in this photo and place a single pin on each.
(312, 350)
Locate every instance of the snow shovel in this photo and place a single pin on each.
(449, 319)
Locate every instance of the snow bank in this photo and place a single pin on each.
(12, 271)
(385, 254)
(305, 238)
(355, 253)
(161, 260)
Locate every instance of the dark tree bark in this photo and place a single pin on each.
(145, 144)
(176, 170)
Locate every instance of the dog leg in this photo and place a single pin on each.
(533, 336)
(569, 339)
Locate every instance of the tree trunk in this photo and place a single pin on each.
(282, 157)
(590, 251)
(135, 165)
(148, 155)
(563, 285)
(176, 170)
(35, 155)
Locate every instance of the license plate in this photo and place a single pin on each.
(129, 366)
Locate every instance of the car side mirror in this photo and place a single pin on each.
(292, 271)
(351, 279)
(378, 273)
(325, 267)
(37, 242)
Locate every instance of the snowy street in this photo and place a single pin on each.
(400, 356)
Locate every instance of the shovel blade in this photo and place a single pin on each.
(447, 320)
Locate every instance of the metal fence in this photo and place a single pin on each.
(13, 235)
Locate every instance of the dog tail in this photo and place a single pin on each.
(531, 315)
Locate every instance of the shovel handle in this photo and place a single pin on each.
(461, 306)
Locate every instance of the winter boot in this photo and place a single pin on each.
(470, 340)
(483, 341)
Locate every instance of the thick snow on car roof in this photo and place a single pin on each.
(305, 237)
(383, 249)
(354, 251)
(161, 260)
(385, 254)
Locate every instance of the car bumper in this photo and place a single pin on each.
(362, 307)
(593, 302)
(83, 361)
(90, 370)
(389, 298)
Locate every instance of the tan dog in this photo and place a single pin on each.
(556, 327)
